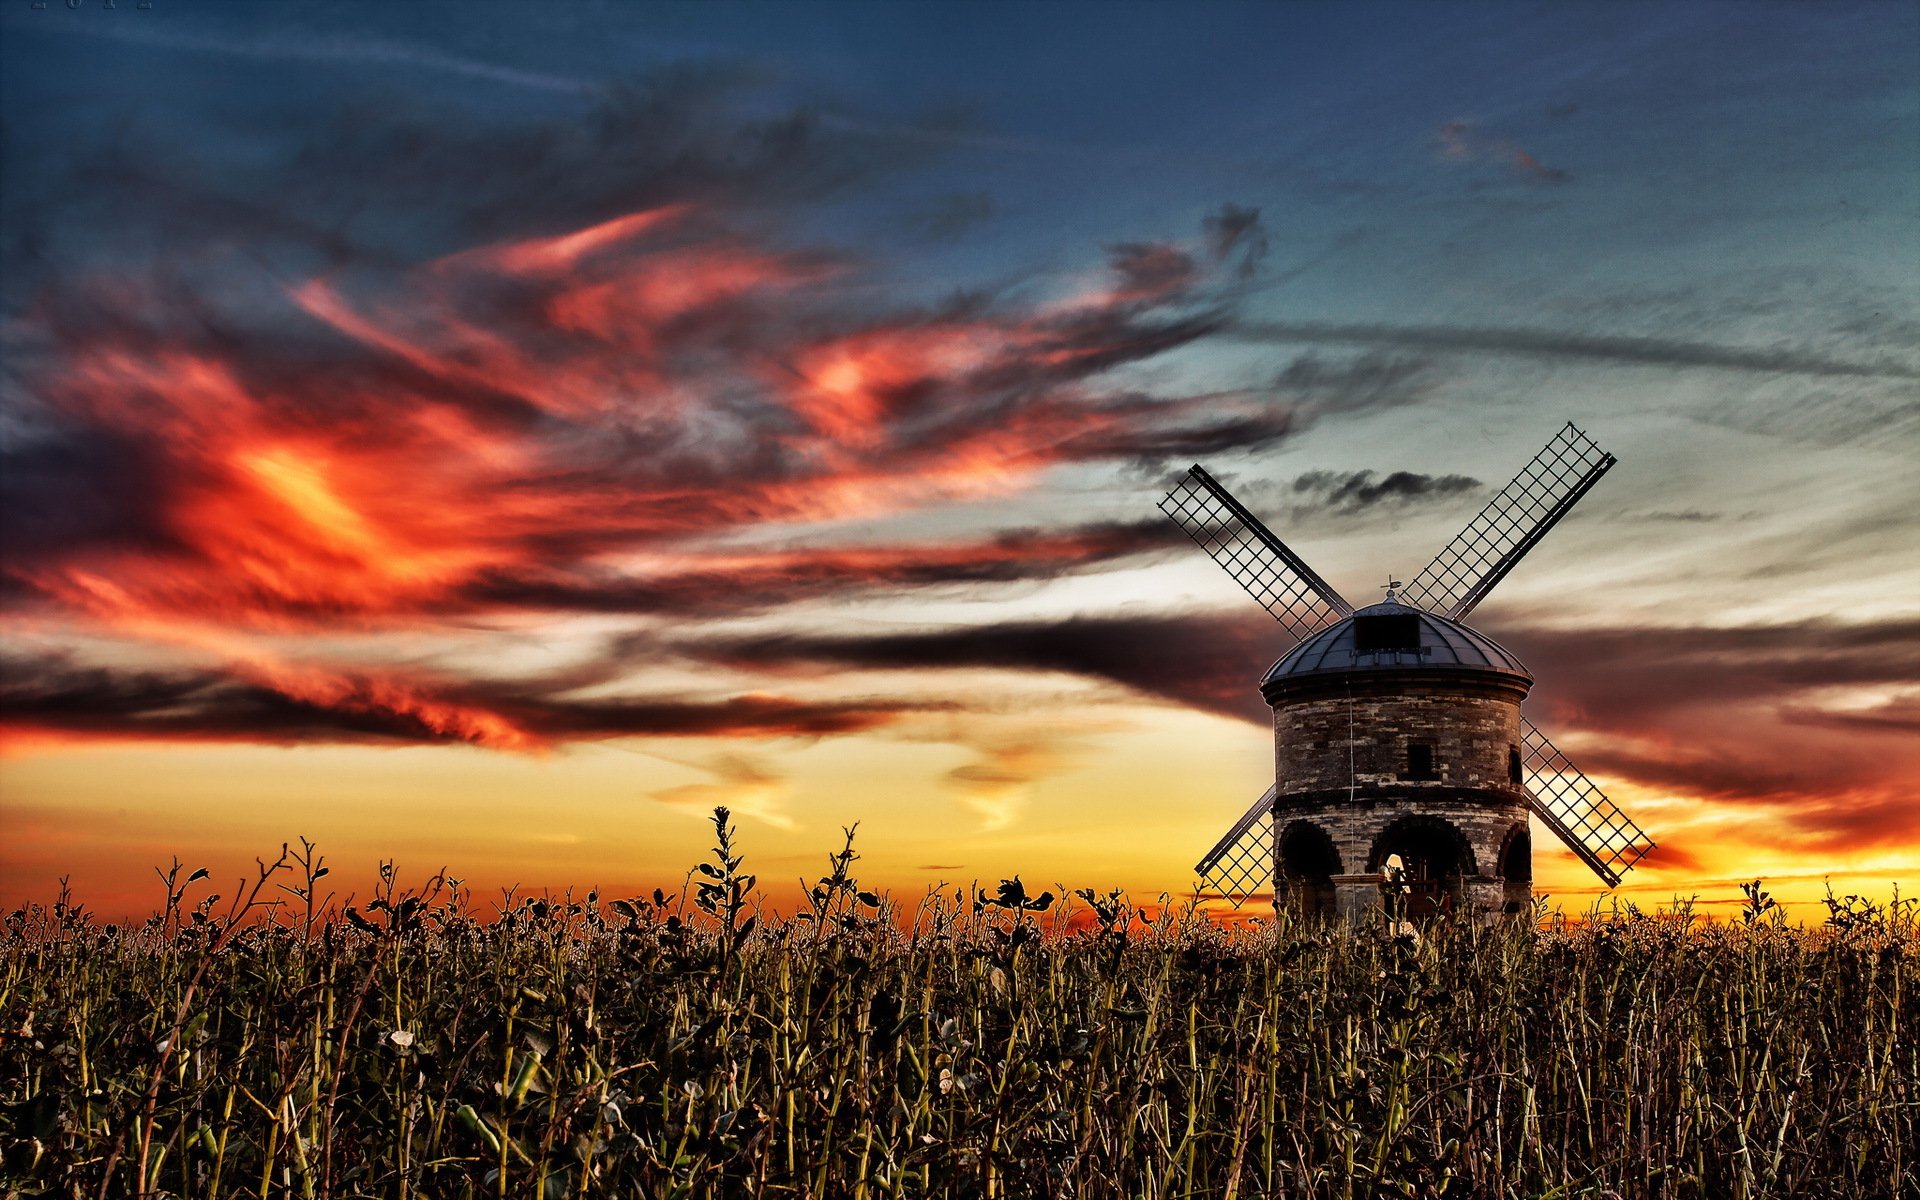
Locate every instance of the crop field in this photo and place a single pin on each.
(961, 1044)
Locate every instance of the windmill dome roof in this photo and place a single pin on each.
(1395, 637)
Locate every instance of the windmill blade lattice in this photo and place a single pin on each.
(1272, 574)
(1460, 576)
(1240, 865)
(1578, 812)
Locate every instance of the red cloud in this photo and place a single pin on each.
(576, 420)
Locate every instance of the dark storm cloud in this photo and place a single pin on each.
(1628, 676)
(1677, 709)
(1537, 343)
(1611, 678)
(52, 695)
(1348, 492)
(1203, 661)
(53, 504)
(1743, 713)
(1162, 435)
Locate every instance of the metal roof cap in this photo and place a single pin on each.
(1445, 644)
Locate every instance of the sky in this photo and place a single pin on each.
(489, 436)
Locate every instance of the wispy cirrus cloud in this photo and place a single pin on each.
(996, 785)
(743, 784)
(56, 699)
(582, 407)
(721, 583)
(343, 50)
(1568, 344)
(591, 408)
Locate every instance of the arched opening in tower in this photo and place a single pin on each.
(1308, 863)
(1516, 870)
(1426, 860)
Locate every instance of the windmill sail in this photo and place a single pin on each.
(1461, 575)
(1240, 865)
(1272, 574)
(1578, 812)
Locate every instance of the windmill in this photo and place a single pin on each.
(1400, 750)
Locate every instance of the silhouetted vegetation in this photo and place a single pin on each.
(971, 1044)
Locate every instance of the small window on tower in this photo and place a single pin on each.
(1373, 634)
(1419, 761)
(1513, 764)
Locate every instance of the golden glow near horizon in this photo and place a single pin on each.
(502, 479)
(1129, 803)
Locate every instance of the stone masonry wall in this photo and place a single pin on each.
(1470, 736)
(1342, 762)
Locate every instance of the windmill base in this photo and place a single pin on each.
(1423, 853)
(1362, 899)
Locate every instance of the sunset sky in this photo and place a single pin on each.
(491, 435)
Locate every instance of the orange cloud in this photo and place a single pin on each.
(580, 420)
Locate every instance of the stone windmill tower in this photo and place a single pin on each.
(1402, 763)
